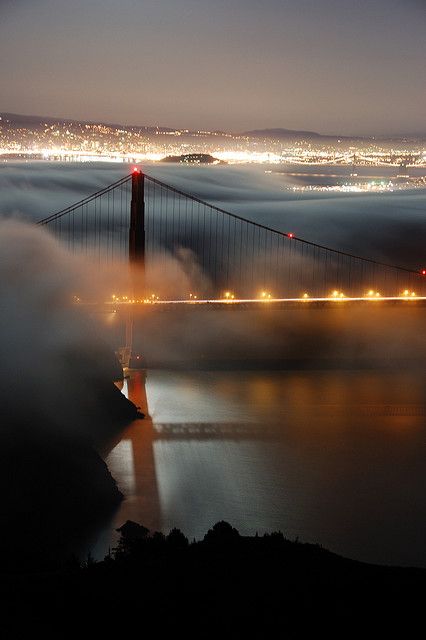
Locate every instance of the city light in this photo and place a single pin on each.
(85, 142)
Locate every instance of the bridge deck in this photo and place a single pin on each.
(283, 303)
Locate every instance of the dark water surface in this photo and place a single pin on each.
(333, 457)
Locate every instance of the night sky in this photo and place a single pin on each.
(334, 66)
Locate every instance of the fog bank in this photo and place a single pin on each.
(384, 226)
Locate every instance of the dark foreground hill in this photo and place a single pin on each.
(225, 586)
(55, 487)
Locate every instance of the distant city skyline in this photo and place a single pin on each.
(334, 67)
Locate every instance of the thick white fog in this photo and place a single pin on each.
(384, 226)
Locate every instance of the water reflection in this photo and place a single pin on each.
(132, 463)
(331, 457)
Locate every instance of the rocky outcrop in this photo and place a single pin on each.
(56, 489)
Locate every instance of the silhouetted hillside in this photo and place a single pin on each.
(55, 488)
(225, 586)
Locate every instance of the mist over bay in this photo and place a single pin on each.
(385, 226)
(260, 416)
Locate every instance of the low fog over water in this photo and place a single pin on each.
(388, 226)
(329, 448)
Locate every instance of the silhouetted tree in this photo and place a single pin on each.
(158, 539)
(131, 531)
(177, 540)
(221, 533)
(132, 534)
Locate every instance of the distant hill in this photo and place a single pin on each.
(291, 134)
(36, 122)
(16, 120)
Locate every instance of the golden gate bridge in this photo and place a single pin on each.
(141, 221)
(156, 227)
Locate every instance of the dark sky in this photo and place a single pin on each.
(328, 65)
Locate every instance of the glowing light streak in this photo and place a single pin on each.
(305, 298)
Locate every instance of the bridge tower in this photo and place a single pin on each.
(137, 223)
(136, 255)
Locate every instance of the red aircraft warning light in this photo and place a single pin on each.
(290, 235)
(423, 272)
